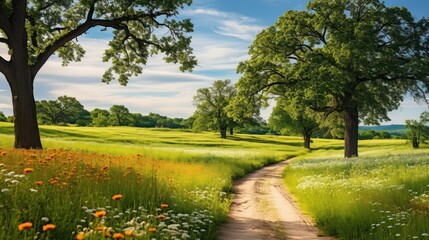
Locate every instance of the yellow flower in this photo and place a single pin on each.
(129, 232)
(100, 214)
(48, 227)
(23, 226)
(117, 196)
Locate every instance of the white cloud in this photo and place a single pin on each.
(226, 23)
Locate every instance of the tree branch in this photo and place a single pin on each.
(4, 40)
(4, 68)
(81, 29)
(4, 23)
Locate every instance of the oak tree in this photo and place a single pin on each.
(33, 31)
(354, 57)
(418, 130)
(211, 106)
(295, 118)
(63, 110)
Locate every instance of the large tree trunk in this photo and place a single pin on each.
(416, 142)
(20, 79)
(24, 111)
(231, 131)
(307, 138)
(223, 132)
(351, 134)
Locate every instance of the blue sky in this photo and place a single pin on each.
(224, 29)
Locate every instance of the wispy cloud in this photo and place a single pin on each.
(227, 23)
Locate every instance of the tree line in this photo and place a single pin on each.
(336, 64)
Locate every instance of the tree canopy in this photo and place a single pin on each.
(211, 106)
(63, 110)
(354, 57)
(418, 130)
(33, 31)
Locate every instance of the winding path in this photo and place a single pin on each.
(263, 209)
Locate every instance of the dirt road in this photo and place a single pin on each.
(262, 209)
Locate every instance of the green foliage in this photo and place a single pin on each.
(356, 58)
(63, 110)
(140, 29)
(119, 116)
(3, 118)
(211, 106)
(418, 132)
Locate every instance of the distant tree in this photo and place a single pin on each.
(418, 131)
(385, 135)
(211, 106)
(99, 117)
(119, 116)
(33, 31)
(293, 117)
(3, 118)
(188, 122)
(354, 57)
(63, 110)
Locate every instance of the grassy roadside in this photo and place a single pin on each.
(383, 194)
(81, 169)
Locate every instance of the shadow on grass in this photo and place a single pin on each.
(256, 140)
(54, 133)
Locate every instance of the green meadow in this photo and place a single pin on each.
(177, 183)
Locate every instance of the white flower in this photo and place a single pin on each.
(5, 190)
(15, 182)
(10, 174)
(45, 219)
(33, 190)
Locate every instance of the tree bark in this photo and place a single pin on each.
(223, 132)
(24, 111)
(231, 131)
(307, 138)
(351, 134)
(20, 79)
(416, 142)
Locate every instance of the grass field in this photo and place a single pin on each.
(384, 194)
(81, 170)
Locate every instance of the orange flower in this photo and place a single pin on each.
(80, 236)
(38, 183)
(48, 227)
(129, 232)
(118, 236)
(28, 170)
(117, 197)
(152, 230)
(107, 233)
(100, 214)
(162, 217)
(100, 229)
(23, 226)
(164, 205)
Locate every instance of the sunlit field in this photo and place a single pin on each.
(172, 184)
(382, 195)
(108, 183)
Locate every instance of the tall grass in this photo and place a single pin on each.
(83, 168)
(370, 197)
